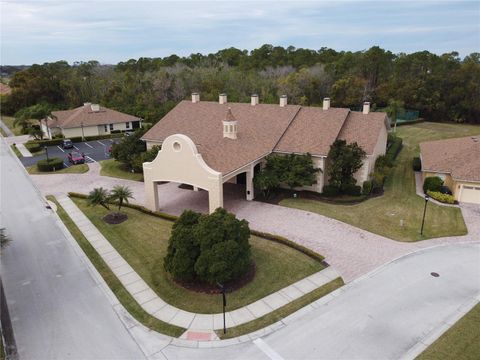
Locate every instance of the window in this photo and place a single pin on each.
(127, 125)
(105, 128)
(111, 127)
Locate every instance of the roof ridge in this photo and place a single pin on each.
(75, 113)
(343, 124)
(300, 107)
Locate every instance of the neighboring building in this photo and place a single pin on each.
(88, 120)
(457, 162)
(206, 144)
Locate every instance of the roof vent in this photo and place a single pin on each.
(254, 99)
(283, 100)
(95, 107)
(230, 125)
(326, 103)
(366, 107)
(222, 99)
(195, 97)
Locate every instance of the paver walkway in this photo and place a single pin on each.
(158, 308)
(350, 250)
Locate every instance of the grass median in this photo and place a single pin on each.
(115, 169)
(112, 281)
(74, 169)
(383, 215)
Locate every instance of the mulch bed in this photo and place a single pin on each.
(281, 194)
(115, 218)
(203, 287)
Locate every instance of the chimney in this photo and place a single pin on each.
(222, 99)
(230, 125)
(195, 97)
(283, 100)
(95, 107)
(326, 103)
(254, 100)
(366, 107)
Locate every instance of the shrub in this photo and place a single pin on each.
(351, 189)
(330, 190)
(367, 187)
(378, 179)
(183, 248)
(417, 164)
(432, 183)
(382, 164)
(32, 147)
(52, 164)
(444, 198)
(394, 150)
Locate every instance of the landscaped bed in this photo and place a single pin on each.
(74, 169)
(383, 215)
(116, 169)
(143, 239)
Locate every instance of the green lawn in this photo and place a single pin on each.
(8, 120)
(113, 168)
(143, 239)
(382, 215)
(460, 342)
(282, 312)
(16, 151)
(74, 169)
(115, 285)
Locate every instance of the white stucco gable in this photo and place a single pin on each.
(179, 161)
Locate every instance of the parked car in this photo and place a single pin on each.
(67, 144)
(76, 158)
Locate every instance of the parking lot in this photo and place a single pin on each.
(95, 150)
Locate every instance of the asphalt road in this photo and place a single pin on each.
(56, 308)
(95, 150)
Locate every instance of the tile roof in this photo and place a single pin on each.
(458, 156)
(263, 129)
(84, 114)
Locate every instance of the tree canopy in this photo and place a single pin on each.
(344, 161)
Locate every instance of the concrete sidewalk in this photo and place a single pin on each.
(201, 325)
(6, 129)
(23, 150)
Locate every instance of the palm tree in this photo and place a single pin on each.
(99, 196)
(394, 108)
(38, 112)
(121, 194)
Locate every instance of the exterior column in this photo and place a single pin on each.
(215, 196)
(250, 188)
(151, 192)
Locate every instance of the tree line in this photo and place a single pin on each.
(442, 87)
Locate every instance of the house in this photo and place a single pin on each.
(206, 144)
(457, 162)
(88, 120)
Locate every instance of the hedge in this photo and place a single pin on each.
(279, 239)
(443, 198)
(76, 139)
(432, 183)
(394, 149)
(52, 164)
(33, 147)
(367, 187)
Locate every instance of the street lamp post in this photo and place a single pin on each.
(46, 153)
(222, 288)
(424, 211)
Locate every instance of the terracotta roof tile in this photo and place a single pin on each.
(262, 129)
(84, 114)
(458, 156)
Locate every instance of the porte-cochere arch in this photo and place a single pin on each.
(179, 161)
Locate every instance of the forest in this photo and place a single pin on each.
(442, 87)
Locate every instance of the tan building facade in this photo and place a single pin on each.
(88, 120)
(457, 162)
(228, 142)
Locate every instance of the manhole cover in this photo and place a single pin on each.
(434, 274)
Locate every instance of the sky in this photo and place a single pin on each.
(112, 31)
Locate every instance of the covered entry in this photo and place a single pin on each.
(179, 161)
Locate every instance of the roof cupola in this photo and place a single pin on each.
(230, 125)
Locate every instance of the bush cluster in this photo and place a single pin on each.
(52, 164)
(330, 190)
(32, 147)
(351, 189)
(417, 164)
(367, 187)
(444, 198)
(212, 248)
(432, 183)
(395, 144)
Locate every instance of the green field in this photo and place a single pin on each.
(460, 342)
(113, 168)
(143, 239)
(382, 215)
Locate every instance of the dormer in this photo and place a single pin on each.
(230, 125)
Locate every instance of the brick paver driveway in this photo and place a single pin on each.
(352, 251)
